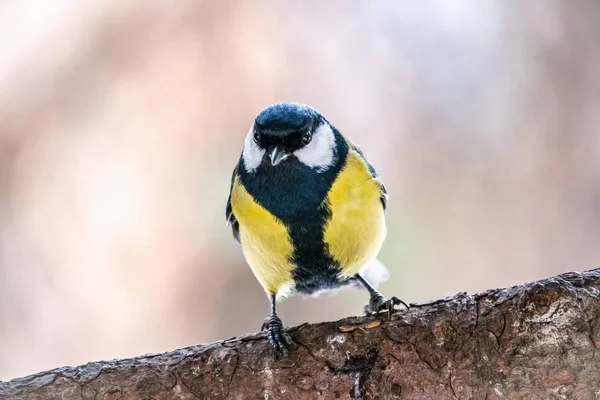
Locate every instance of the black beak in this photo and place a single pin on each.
(278, 154)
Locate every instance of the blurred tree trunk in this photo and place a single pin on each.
(536, 341)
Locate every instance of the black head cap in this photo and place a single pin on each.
(282, 119)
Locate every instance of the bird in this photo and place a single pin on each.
(308, 210)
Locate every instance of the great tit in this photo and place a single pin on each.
(308, 210)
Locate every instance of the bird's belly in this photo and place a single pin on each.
(265, 241)
(356, 231)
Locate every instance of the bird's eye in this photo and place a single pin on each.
(306, 137)
(256, 137)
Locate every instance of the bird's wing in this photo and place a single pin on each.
(375, 174)
(230, 217)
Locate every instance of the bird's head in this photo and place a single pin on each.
(286, 132)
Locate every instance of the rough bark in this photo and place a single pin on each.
(535, 341)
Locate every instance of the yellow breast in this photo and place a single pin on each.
(265, 241)
(356, 231)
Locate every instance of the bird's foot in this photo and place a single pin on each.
(277, 335)
(378, 303)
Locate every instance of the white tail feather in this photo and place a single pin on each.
(375, 272)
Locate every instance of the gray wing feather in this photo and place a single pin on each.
(229, 216)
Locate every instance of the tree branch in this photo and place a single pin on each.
(535, 341)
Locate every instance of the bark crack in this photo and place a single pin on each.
(452, 387)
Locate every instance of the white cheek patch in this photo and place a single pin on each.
(252, 154)
(319, 153)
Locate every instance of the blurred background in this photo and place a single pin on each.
(121, 121)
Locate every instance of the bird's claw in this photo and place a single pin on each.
(379, 303)
(277, 335)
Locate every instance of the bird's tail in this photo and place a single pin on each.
(375, 272)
